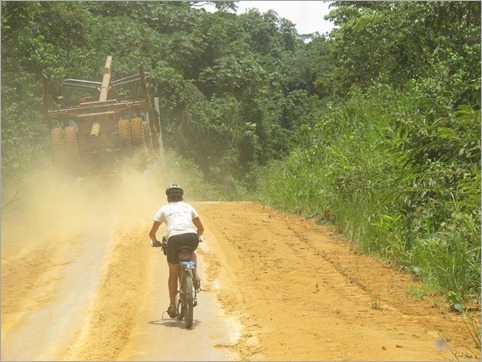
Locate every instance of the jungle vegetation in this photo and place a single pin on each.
(373, 127)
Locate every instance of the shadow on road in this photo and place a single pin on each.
(173, 323)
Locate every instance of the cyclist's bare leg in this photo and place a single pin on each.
(172, 282)
(194, 258)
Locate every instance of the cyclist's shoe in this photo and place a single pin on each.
(197, 283)
(172, 311)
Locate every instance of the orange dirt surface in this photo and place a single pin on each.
(302, 293)
(80, 282)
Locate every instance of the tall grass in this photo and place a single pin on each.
(393, 180)
(186, 173)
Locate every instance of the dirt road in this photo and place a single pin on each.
(80, 282)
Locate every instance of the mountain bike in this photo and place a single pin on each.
(186, 297)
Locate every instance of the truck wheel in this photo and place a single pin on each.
(137, 131)
(147, 134)
(124, 131)
(57, 146)
(71, 149)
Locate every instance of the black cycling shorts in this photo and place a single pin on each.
(176, 241)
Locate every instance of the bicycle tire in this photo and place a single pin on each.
(189, 301)
(181, 310)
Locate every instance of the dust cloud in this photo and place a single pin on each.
(52, 204)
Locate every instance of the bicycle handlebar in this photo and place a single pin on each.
(156, 244)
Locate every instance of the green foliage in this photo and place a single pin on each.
(386, 178)
(397, 41)
(267, 33)
(189, 175)
(31, 32)
(395, 162)
(374, 128)
(449, 259)
(233, 75)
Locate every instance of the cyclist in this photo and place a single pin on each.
(184, 227)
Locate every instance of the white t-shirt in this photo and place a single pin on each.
(178, 217)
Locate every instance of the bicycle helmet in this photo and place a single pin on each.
(174, 193)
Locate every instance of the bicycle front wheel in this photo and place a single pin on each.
(189, 306)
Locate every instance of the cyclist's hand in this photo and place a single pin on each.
(155, 243)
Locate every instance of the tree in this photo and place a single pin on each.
(394, 42)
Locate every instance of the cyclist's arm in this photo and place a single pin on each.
(154, 228)
(199, 225)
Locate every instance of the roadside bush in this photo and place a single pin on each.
(190, 177)
(398, 178)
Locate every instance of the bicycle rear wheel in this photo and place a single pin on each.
(180, 304)
(179, 307)
(189, 301)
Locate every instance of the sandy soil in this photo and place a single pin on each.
(80, 282)
(302, 293)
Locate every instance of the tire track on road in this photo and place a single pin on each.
(300, 294)
(119, 299)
